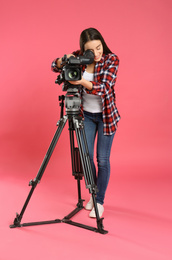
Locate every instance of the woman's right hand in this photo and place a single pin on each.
(59, 61)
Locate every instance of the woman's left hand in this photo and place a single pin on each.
(85, 83)
(76, 82)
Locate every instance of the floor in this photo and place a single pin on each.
(138, 218)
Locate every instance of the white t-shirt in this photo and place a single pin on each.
(91, 103)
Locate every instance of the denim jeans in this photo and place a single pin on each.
(93, 124)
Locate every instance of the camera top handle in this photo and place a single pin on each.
(87, 58)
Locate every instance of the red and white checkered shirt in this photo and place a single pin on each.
(105, 75)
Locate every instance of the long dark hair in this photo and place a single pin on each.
(92, 34)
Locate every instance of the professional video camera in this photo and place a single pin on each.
(71, 67)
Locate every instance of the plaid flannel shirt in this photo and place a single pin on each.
(103, 85)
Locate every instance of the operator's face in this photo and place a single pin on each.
(96, 47)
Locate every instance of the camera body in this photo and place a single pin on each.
(72, 67)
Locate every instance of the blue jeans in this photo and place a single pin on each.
(93, 124)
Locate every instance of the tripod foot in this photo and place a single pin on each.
(80, 204)
(100, 226)
(16, 222)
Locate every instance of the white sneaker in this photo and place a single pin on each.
(89, 205)
(100, 210)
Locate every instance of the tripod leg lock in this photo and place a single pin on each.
(92, 189)
(33, 183)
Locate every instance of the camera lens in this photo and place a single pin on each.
(73, 74)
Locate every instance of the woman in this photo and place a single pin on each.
(98, 100)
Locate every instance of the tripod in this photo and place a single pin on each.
(81, 165)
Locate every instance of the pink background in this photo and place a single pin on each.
(33, 33)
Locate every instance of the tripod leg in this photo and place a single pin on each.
(76, 163)
(84, 155)
(87, 170)
(34, 182)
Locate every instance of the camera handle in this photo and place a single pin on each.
(61, 99)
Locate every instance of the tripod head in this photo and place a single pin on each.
(72, 100)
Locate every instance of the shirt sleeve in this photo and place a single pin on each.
(54, 67)
(106, 79)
